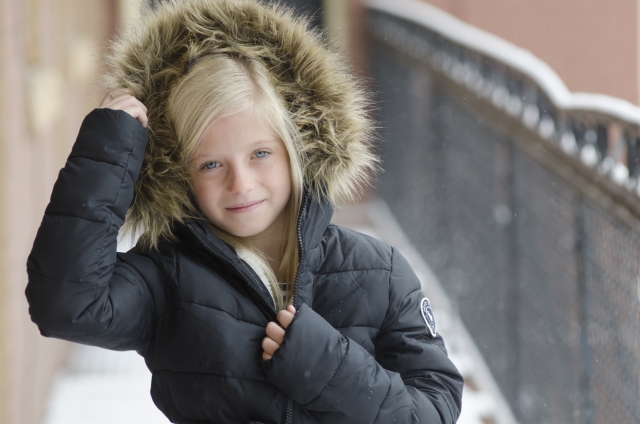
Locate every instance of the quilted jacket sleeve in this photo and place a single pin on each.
(333, 379)
(77, 288)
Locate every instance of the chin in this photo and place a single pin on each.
(244, 231)
(245, 234)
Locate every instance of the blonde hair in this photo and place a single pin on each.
(220, 85)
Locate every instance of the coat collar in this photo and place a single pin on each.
(313, 221)
(315, 216)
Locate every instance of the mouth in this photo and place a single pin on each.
(245, 207)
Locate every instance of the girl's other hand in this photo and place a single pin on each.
(127, 103)
(275, 332)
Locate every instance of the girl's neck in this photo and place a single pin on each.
(269, 243)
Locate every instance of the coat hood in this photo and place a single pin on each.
(326, 102)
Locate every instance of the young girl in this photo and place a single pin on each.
(229, 134)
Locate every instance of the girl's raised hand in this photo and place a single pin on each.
(275, 332)
(127, 103)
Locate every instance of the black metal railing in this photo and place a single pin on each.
(525, 204)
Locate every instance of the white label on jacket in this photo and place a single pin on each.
(427, 314)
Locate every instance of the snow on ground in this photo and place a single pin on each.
(103, 387)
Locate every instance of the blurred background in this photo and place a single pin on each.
(513, 190)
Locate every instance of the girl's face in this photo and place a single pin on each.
(240, 176)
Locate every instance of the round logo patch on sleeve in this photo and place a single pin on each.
(427, 314)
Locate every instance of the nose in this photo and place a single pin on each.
(240, 180)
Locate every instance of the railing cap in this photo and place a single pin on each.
(519, 59)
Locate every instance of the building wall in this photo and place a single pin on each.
(591, 44)
(51, 51)
(344, 21)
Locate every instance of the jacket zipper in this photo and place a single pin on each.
(215, 252)
(220, 255)
(300, 250)
(289, 417)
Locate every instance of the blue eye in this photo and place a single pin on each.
(261, 154)
(210, 165)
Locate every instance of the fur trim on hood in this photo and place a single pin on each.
(325, 100)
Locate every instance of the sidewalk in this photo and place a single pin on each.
(100, 386)
(104, 387)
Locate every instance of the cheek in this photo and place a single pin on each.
(196, 187)
(283, 182)
(203, 192)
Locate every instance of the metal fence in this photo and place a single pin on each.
(525, 213)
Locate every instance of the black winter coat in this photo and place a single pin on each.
(357, 351)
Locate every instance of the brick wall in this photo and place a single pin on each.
(51, 51)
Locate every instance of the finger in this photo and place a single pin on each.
(275, 332)
(142, 116)
(125, 101)
(284, 318)
(133, 107)
(291, 309)
(120, 93)
(138, 113)
(106, 100)
(269, 346)
(121, 102)
(266, 356)
(113, 97)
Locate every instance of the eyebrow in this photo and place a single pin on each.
(203, 155)
(265, 140)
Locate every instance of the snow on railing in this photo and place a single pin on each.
(602, 131)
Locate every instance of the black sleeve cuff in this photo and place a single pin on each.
(308, 358)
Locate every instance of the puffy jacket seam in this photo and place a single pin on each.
(417, 289)
(68, 215)
(80, 282)
(413, 374)
(160, 388)
(99, 160)
(416, 373)
(358, 289)
(131, 269)
(350, 326)
(126, 165)
(335, 372)
(58, 280)
(429, 345)
(354, 270)
(148, 300)
(113, 333)
(389, 288)
(198, 335)
(349, 230)
(130, 337)
(383, 324)
(161, 315)
(109, 222)
(115, 199)
(216, 309)
(382, 403)
(439, 395)
(175, 287)
(213, 375)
